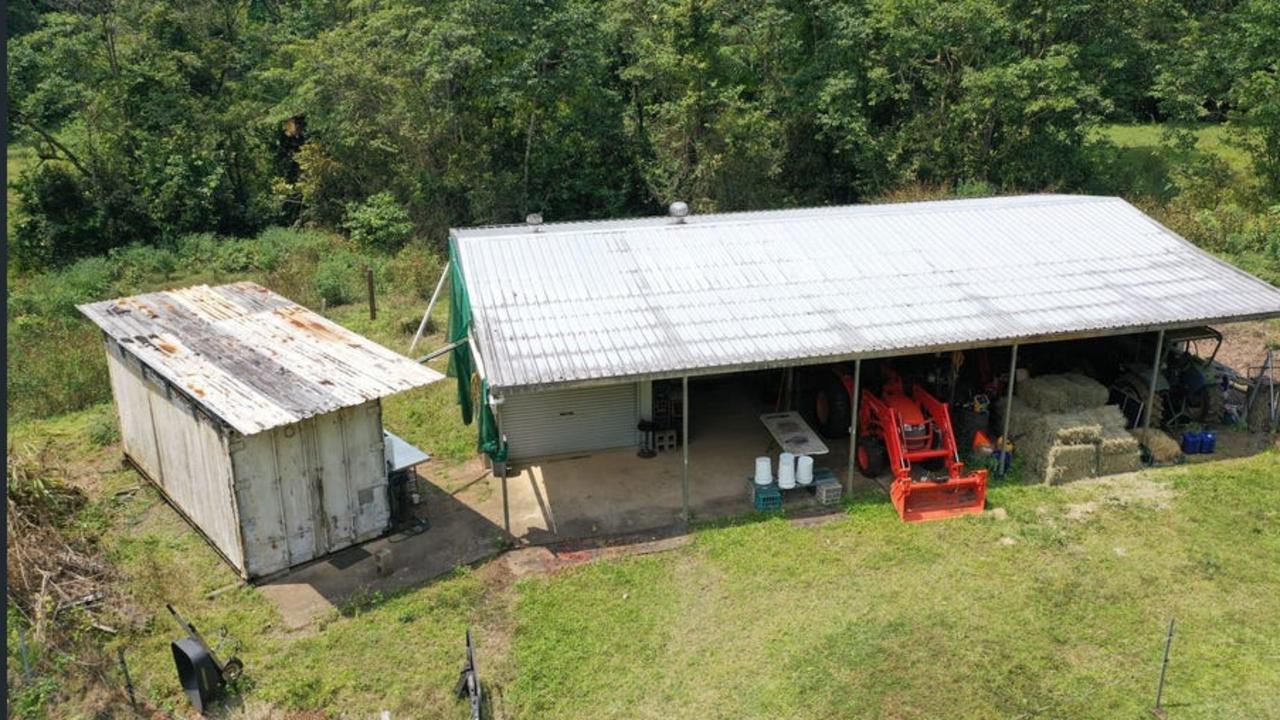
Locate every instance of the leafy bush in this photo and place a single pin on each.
(379, 223)
(56, 294)
(415, 268)
(273, 246)
(137, 264)
(335, 279)
(57, 222)
(103, 430)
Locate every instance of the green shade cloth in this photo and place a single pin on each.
(461, 366)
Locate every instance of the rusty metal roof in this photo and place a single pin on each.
(252, 358)
(593, 302)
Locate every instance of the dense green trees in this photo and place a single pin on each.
(157, 119)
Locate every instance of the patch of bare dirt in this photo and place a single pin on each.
(1244, 344)
(1080, 511)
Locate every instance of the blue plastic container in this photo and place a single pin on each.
(1005, 456)
(1192, 442)
(1208, 442)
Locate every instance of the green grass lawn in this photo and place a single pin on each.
(867, 617)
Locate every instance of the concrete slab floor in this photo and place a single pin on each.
(580, 498)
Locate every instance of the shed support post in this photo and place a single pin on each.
(684, 445)
(502, 438)
(1151, 390)
(1008, 411)
(422, 326)
(853, 422)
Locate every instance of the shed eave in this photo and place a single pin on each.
(500, 391)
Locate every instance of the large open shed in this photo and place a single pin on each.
(576, 330)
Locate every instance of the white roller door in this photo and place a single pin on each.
(567, 421)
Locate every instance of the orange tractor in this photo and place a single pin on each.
(908, 428)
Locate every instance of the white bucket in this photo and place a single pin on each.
(786, 471)
(804, 470)
(764, 471)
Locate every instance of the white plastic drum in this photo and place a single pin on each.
(786, 471)
(764, 471)
(804, 470)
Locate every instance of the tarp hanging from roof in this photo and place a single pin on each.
(462, 367)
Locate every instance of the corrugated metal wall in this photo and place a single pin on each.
(311, 488)
(180, 448)
(564, 421)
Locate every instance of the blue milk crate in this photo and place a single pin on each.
(764, 497)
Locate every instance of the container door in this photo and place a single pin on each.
(366, 455)
(335, 487)
(299, 493)
(568, 421)
(262, 521)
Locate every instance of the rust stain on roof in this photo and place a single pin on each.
(252, 358)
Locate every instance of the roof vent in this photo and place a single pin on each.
(678, 210)
(533, 220)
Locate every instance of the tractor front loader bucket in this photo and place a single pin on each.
(921, 500)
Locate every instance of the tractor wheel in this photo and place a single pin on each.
(1214, 405)
(871, 457)
(1159, 406)
(831, 413)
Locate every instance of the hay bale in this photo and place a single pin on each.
(1068, 463)
(1110, 417)
(1164, 449)
(1048, 430)
(1023, 420)
(1120, 462)
(1067, 392)
(1068, 428)
(1118, 452)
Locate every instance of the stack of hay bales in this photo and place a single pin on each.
(1064, 430)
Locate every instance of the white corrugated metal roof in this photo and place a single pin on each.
(575, 303)
(252, 358)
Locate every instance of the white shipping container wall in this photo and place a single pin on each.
(566, 421)
(179, 448)
(311, 488)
